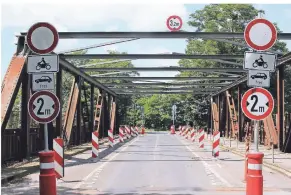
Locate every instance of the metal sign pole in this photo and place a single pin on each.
(46, 148)
(256, 136)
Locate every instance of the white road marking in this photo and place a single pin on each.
(100, 168)
(156, 147)
(207, 166)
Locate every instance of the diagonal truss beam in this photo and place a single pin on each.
(76, 71)
(149, 56)
(157, 35)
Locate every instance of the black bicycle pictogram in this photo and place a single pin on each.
(260, 62)
(43, 64)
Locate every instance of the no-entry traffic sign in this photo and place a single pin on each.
(257, 103)
(42, 38)
(174, 23)
(260, 34)
(43, 106)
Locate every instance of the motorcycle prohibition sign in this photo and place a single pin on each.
(260, 62)
(43, 64)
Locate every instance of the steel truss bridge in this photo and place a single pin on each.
(90, 102)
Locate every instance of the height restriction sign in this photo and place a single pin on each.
(43, 106)
(257, 103)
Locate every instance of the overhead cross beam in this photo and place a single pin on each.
(165, 89)
(166, 84)
(76, 71)
(170, 78)
(149, 56)
(157, 35)
(170, 68)
(163, 92)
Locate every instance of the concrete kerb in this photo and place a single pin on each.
(267, 164)
(35, 167)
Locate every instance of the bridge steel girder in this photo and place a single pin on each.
(170, 78)
(164, 92)
(166, 84)
(149, 56)
(65, 65)
(162, 89)
(170, 68)
(157, 35)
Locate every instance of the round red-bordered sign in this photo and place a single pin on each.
(262, 102)
(51, 116)
(42, 38)
(260, 34)
(174, 23)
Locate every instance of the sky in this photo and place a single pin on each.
(124, 17)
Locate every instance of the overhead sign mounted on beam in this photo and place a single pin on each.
(260, 34)
(174, 23)
(42, 38)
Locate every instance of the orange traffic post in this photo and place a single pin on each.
(254, 184)
(47, 176)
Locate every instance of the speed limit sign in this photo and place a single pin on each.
(174, 23)
(257, 103)
(43, 106)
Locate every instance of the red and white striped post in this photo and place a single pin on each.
(183, 130)
(121, 134)
(110, 137)
(132, 131)
(128, 134)
(47, 176)
(193, 135)
(59, 162)
(95, 144)
(215, 145)
(186, 133)
(136, 130)
(201, 138)
(254, 185)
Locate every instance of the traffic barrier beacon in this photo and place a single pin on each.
(254, 183)
(47, 176)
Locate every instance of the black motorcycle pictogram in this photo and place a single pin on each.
(43, 64)
(260, 62)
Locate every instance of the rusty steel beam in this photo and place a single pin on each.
(71, 110)
(10, 87)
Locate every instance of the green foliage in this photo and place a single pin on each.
(212, 18)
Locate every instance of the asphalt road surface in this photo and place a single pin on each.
(156, 163)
